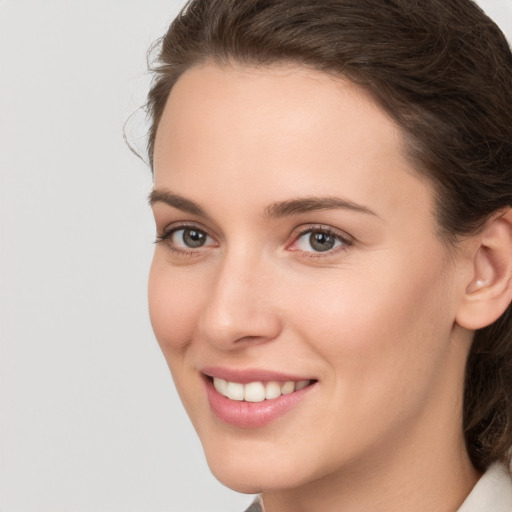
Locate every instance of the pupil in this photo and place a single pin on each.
(321, 241)
(193, 238)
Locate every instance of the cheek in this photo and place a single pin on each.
(374, 324)
(173, 306)
(384, 337)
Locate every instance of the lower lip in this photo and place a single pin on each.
(252, 414)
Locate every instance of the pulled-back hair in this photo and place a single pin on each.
(443, 71)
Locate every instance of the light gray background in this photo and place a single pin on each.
(89, 418)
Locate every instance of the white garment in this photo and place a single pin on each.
(492, 493)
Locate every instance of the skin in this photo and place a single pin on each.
(373, 320)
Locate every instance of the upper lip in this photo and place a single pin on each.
(246, 375)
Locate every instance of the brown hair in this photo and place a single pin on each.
(443, 71)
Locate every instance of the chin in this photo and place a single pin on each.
(248, 481)
(254, 474)
(240, 483)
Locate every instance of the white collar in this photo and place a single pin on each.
(492, 493)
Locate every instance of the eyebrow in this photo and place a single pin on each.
(276, 210)
(312, 204)
(176, 201)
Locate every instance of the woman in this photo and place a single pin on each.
(332, 279)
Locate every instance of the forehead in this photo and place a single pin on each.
(272, 132)
(300, 103)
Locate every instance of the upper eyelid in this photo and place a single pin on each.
(176, 226)
(306, 228)
(169, 216)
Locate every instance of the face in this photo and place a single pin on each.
(299, 290)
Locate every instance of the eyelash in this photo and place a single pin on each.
(345, 241)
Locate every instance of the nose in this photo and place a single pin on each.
(240, 309)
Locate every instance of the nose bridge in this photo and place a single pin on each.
(239, 307)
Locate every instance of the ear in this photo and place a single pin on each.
(489, 291)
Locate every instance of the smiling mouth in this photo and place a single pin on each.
(253, 398)
(257, 391)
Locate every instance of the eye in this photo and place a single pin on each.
(319, 240)
(190, 238)
(186, 238)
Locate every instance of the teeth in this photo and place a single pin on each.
(257, 391)
(235, 391)
(288, 387)
(254, 392)
(272, 390)
(301, 384)
(221, 386)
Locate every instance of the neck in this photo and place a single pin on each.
(389, 482)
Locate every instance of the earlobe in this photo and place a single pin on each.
(489, 292)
